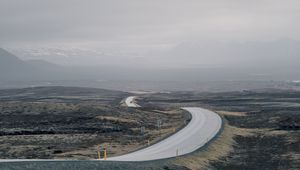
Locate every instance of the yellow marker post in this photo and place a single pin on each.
(105, 156)
(99, 154)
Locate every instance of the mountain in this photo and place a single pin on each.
(8, 60)
(12, 68)
(42, 64)
(273, 60)
(193, 61)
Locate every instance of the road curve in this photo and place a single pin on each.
(130, 102)
(203, 127)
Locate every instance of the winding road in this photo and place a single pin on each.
(130, 101)
(203, 127)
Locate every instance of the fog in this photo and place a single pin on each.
(158, 39)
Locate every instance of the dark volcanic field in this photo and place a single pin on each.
(270, 117)
(66, 122)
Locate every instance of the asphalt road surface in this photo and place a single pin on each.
(130, 102)
(203, 127)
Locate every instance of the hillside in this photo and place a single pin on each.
(12, 68)
(16, 70)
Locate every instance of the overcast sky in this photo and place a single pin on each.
(144, 26)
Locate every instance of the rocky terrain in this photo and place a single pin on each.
(60, 122)
(260, 131)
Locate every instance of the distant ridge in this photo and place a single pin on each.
(14, 69)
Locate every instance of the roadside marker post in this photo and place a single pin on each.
(143, 130)
(105, 155)
(148, 143)
(177, 152)
(99, 154)
(159, 123)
